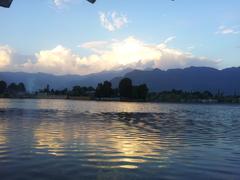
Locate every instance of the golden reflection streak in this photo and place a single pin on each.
(128, 107)
(50, 137)
(3, 141)
(3, 128)
(127, 145)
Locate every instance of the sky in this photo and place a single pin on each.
(77, 37)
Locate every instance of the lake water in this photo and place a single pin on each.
(61, 139)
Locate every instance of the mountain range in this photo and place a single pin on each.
(188, 79)
(36, 81)
(226, 81)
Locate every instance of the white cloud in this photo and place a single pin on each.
(95, 46)
(169, 39)
(60, 3)
(107, 55)
(5, 56)
(113, 21)
(228, 30)
(134, 53)
(59, 60)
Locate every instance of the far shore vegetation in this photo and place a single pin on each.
(126, 91)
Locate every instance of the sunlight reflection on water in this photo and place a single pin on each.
(102, 140)
(113, 142)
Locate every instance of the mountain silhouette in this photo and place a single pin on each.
(36, 81)
(188, 79)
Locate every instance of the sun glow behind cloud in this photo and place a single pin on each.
(5, 56)
(105, 55)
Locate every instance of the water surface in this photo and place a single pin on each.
(61, 139)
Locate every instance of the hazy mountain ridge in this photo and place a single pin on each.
(188, 79)
(36, 81)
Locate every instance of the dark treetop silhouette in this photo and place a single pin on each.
(91, 1)
(7, 3)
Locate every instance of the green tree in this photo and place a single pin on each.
(142, 91)
(77, 91)
(98, 92)
(104, 89)
(3, 87)
(135, 94)
(107, 89)
(125, 88)
(13, 88)
(90, 88)
(21, 88)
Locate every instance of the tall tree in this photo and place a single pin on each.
(3, 86)
(77, 91)
(107, 89)
(125, 88)
(13, 88)
(142, 91)
(21, 88)
(98, 92)
(104, 89)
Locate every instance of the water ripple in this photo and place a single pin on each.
(174, 142)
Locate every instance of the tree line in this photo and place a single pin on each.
(11, 89)
(75, 91)
(193, 96)
(125, 90)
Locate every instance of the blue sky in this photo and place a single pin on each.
(46, 35)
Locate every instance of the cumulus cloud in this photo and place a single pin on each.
(107, 55)
(228, 30)
(132, 52)
(113, 21)
(60, 60)
(5, 56)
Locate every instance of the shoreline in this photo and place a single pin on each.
(203, 101)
